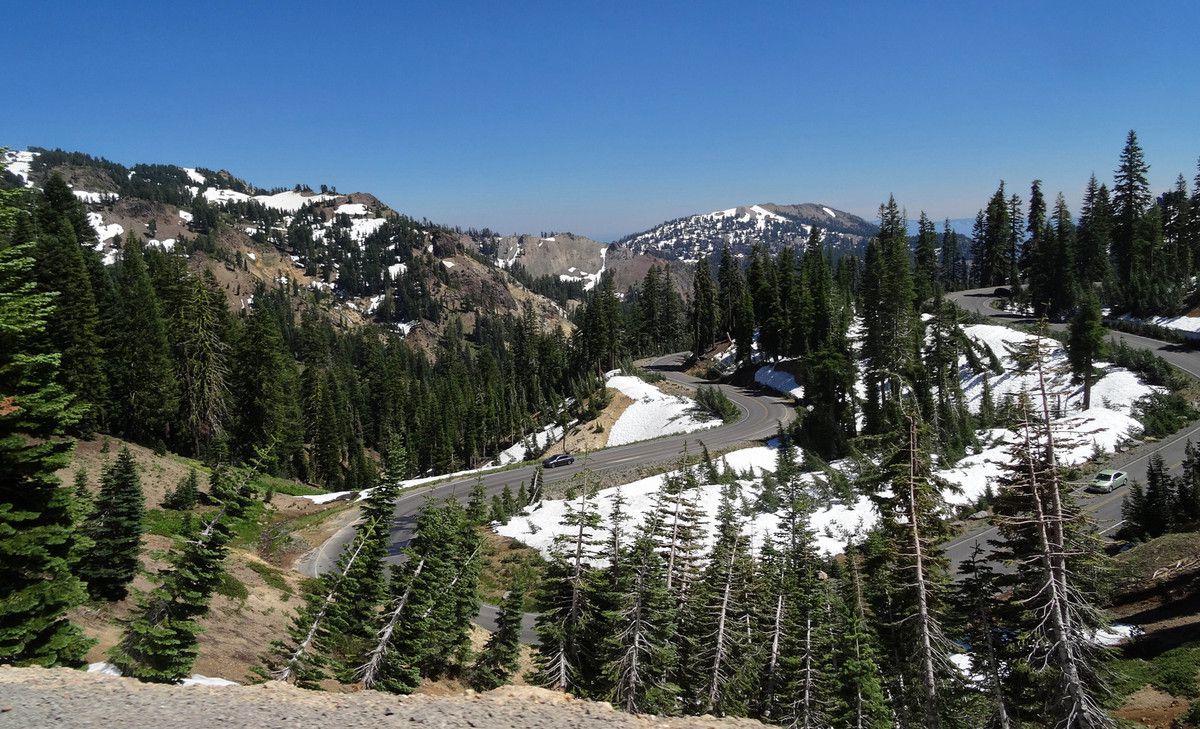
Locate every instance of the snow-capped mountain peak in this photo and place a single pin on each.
(772, 226)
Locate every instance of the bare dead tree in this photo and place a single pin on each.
(286, 671)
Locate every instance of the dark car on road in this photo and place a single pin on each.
(561, 459)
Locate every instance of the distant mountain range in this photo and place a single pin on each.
(357, 248)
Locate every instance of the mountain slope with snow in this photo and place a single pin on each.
(771, 225)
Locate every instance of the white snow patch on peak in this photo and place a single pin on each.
(351, 209)
(194, 176)
(215, 195)
(185, 216)
(762, 212)
(829, 212)
(290, 201)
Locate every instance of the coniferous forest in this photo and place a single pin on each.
(639, 609)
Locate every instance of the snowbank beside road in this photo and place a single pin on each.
(538, 528)
(653, 413)
(107, 669)
(1080, 434)
(779, 381)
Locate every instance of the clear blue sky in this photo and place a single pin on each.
(608, 117)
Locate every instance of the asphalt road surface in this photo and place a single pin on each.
(1104, 508)
(761, 414)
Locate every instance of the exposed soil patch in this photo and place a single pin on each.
(593, 435)
(1153, 708)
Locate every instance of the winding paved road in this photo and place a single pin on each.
(762, 412)
(1105, 508)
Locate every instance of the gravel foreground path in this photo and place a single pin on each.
(33, 698)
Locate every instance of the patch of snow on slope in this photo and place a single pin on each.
(215, 195)
(590, 279)
(20, 164)
(1080, 433)
(779, 381)
(185, 216)
(1118, 393)
(515, 250)
(1116, 634)
(288, 201)
(360, 229)
(448, 263)
(829, 212)
(95, 197)
(351, 209)
(105, 668)
(327, 498)
(396, 270)
(167, 245)
(195, 176)
(761, 212)
(518, 451)
(104, 232)
(538, 528)
(653, 413)
(1186, 325)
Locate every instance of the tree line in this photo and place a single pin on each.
(1137, 249)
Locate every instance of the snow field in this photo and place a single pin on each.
(195, 176)
(517, 452)
(20, 164)
(288, 201)
(1081, 433)
(653, 413)
(95, 197)
(538, 528)
(104, 232)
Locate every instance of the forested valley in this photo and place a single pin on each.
(639, 609)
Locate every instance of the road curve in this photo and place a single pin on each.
(1104, 508)
(761, 415)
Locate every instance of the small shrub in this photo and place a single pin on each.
(271, 577)
(232, 588)
(715, 401)
(185, 494)
(1163, 413)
